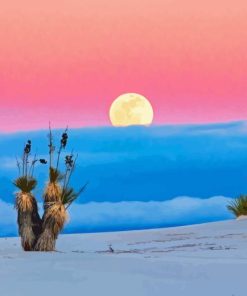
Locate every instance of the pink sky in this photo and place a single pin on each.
(66, 61)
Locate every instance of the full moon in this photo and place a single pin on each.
(131, 109)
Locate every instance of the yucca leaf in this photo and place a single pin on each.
(69, 195)
(55, 175)
(238, 206)
(25, 184)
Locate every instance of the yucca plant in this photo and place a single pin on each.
(29, 222)
(54, 219)
(52, 201)
(57, 197)
(41, 234)
(56, 216)
(53, 222)
(28, 219)
(52, 210)
(238, 206)
(27, 211)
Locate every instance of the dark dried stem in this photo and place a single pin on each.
(60, 150)
(18, 166)
(31, 170)
(50, 145)
(71, 171)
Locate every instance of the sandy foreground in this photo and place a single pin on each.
(208, 259)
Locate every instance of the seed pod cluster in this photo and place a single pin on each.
(28, 147)
(64, 139)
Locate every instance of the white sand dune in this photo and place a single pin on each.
(208, 259)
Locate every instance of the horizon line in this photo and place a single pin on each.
(125, 127)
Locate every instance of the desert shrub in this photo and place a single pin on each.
(36, 233)
(238, 206)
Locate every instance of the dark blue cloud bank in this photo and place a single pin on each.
(138, 176)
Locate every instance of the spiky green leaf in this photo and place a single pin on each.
(25, 184)
(55, 175)
(238, 206)
(69, 195)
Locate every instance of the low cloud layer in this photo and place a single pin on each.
(106, 216)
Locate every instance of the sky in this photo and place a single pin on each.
(66, 61)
